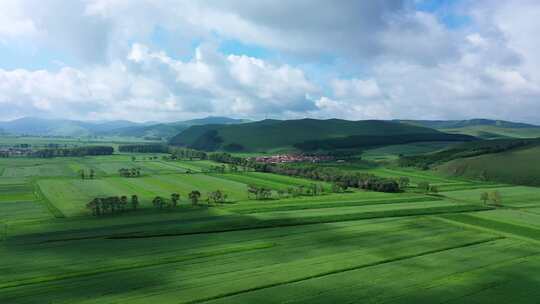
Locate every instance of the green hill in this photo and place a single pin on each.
(483, 128)
(464, 150)
(282, 134)
(168, 130)
(75, 128)
(516, 166)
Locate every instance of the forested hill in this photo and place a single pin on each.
(274, 134)
(484, 128)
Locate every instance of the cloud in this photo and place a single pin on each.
(151, 85)
(349, 59)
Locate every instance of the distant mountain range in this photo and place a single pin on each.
(307, 134)
(483, 128)
(452, 124)
(75, 128)
(237, 134)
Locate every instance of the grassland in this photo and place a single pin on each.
(519, 166)
(353, 247)
(490, 132)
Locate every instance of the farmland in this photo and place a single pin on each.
(334, 247)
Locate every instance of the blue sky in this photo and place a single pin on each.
(157, 60)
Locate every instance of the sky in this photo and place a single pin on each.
(170, 60)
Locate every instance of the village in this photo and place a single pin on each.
(293, 158)
(15, 152)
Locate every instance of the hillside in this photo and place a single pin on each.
(75, 128)
(278, 134)
(516, 166)
(483, 128)
(60, 127)
(464, 150)
(168, 130)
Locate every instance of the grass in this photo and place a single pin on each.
(495, 167)
(379, 247)
(324, 248)
(393, 152)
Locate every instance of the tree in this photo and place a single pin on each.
(339, 187)
(158, 202)
(123, 202)
(252, 190)
(423, 186)
(94, 206)
(403, 182)
(133, 158)
(134, 202)
(194, 197)
(434, 189)
(495, 198)
(484, 197)
(81, 172)
(92, 173)
(175, 197)
(217, 197)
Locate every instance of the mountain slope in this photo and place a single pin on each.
(484, 128)
(273, 134)
(64, 127)
(516, 166)
(168, 130)
(59, 127)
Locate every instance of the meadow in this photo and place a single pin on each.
(356, 246)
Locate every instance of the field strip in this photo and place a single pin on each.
(346, 269)
(137, 265)
(174, 166)
(50, 206)
(286, 222)
(501, 228)
(232, 224)
(322, 205)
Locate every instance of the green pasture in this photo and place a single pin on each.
(352, 247)
(512, 196)
(180, 269)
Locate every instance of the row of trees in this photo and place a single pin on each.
(78, 151)
(345, 179)
(129, 172)
(112, 204)
(264, 193)
(187, 154)
(91, 174)
(427, 188)
(493, 197)
(118, 204)
(145, 148)
(215, 197)
(333, 175)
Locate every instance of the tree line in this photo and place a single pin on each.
(112, 204)
(470, 149)
(129, 172)
(91, 174)
(77, 151)
(493, 197)
(187, 154)
(264, 193)
(100, 206)
(144, 148)
(332, 175)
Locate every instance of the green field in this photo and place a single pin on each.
(518, 166)
(352, 247)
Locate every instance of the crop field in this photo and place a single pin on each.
(393, 151)
(350, 247)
